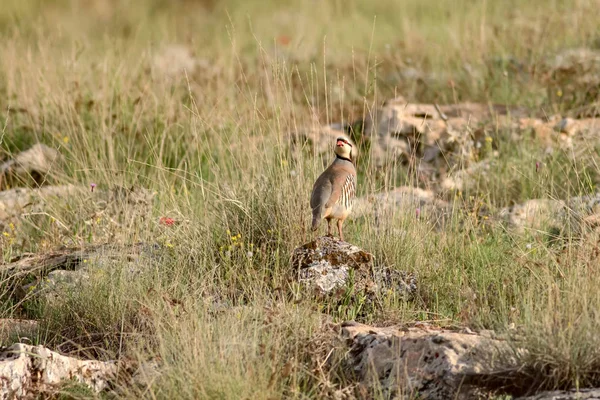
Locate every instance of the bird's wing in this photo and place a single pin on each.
(321, 192)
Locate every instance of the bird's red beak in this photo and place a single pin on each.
(339, 143)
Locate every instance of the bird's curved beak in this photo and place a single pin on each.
(339, 143)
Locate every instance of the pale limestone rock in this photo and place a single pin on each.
(581, 394)
(572, 78)
(417, 202)
(575, 127)
(325, 277)
(401, 130)
(430, 362)
(463, 179)
(31, 370)
(15, 202)
(120, 207)
(416, 134)
(29, 166)
(11, 328)
(320, 139)
(71, 268)
(57, 283)
(560, 131)
(535, 214)
(174, 61)
(544, 214)
(326, 264)
(543, 131)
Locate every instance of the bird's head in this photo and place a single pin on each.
(343, 148)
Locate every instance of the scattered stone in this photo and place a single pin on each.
(536, 214)
(399, 282)
(57, 283)
(328, 265)
(124, 206)
(464, 178)
(433, 140)
(587, 127)
(51, 273)
(120, 207)
(15, 202)
(29, 371)
(593, 221)
(572, 78)
(404, 199)
(573, 394)
(434, 134)
(401, 131)
(30, 167)
(544, 132)
(423, 361)
(174, 60)
(18, 329)
(318, 139)
(561, 131)
(548, 214)
(146, 373)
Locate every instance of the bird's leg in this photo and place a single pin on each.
(329, 227)
(339, 224)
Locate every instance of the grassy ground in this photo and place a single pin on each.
(212, 145)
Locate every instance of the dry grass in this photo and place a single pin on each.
(219, 313)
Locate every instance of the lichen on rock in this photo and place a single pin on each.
(30, 370)
(328, 265)
(429, 362)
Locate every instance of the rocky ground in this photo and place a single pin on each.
(156, 160)
(445, 145)
(423, 359)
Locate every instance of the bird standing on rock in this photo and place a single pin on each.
(334, 191)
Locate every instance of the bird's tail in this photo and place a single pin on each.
(316, 220)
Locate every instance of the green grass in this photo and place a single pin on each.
(213, 145)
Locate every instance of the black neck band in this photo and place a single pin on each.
(342, 158)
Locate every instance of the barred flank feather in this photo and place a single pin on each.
(348, 192)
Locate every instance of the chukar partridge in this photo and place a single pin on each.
(333, 192)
